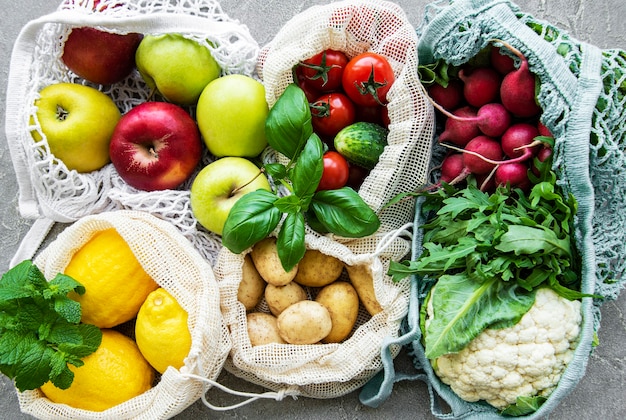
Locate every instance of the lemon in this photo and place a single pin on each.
(161, 331)
(114, 373)
(116, 284)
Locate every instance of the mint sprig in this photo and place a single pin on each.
(40, 329)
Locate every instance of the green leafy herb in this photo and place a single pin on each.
(524, 406)
(488, 254)
(40, 329)
(257, 214)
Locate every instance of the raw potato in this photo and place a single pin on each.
(304, 322)
(252, 285)
(263, 329)
(342, 302)
(317, 269)
(266, 260)
(278, 298)
(363, 282)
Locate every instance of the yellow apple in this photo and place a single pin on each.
(231, 115)
(78, 122)
(219, 185)
(177, 67)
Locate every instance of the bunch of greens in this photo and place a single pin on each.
(40, 329)
(257, 214)
(488, 253)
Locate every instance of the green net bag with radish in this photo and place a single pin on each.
(521, 231)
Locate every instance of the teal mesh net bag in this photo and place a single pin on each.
(583, 95)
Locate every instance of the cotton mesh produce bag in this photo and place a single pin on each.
(175, 265)
(318, 370)
(583, 100)
(48, 191)
(355, 27)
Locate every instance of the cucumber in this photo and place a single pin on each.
(361, 143)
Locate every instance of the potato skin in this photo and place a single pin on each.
(252, 285)
(342, 301)
(317, 269)
(304, 322)
(363, 282)
(263, 329)
(278, 298)
(266, 260)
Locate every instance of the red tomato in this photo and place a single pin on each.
(323, 71)
(367, 79)
(310, 93)
(336, 172)
(331, 112)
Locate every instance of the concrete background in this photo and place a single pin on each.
(602, 392)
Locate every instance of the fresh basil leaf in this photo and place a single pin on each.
(288, 124)
(308, 169)
(290, 242)
(289, 204)
(343, 212)
(464, 308)
(252, 218)
(276, 170)
(314, 223)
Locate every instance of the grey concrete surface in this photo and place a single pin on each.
(600, 395)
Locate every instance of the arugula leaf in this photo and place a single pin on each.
(252, 218)
(288, 124)
(40, 329)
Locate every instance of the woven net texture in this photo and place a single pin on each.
(583, 97)
(355, 27)
(175, 265)
(47, 188)
(321, 370)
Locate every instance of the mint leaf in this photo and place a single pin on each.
(40, 329)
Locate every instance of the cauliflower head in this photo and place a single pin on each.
(526, 359)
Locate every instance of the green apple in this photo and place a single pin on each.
(219, 185)
(78, 122)
(177, 67)
(231, 115)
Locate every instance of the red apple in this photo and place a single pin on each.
(156, 146)
(100, 57)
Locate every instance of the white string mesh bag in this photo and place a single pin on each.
(46, 187)
(176, 266)
(318, 370)
(354, 27)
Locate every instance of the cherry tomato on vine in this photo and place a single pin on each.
(331, 112)
(336, 172)
(323, 71)
(367, 79)
(310, 93)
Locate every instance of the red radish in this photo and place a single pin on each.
(491, 119)
(543, 130)
(481, 85)
(518, 141)
(517, 90)
(449, 97)
(515, 174)
(486, 182)
(480, 153)
(460, 130)
(501, 62)
(451, 167)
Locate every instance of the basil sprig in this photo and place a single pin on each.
(257, 214)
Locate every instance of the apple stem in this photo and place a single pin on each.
(236, 190)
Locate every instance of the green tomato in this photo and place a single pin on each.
(231, 115)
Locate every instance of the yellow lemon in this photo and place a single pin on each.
(114, 373)
(116, 284)
(161, 331)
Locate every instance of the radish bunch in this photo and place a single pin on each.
(492, 121)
